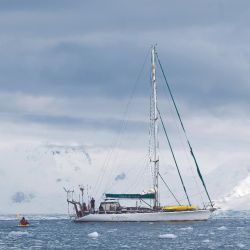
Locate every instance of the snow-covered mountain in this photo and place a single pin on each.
(238, 198)
(230, 187)
(35, 177)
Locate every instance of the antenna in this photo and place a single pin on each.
(68, 191)
(81, 187)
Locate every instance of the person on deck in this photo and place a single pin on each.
(92, 205)
(24, 222)
(101, 210)
(84, 207)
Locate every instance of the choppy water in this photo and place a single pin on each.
(230, 230)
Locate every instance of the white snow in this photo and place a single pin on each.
(66, 165)
(238, 197)
(167, 236)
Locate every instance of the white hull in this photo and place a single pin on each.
(197, 215)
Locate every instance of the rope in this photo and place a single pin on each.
(178, 114)
(183, 142)
(173, 155)
(169, 189)
(120, 133)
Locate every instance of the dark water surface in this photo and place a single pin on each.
(230, 230)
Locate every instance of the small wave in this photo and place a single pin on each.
(228, 214)
(167, 236)
(8, 217)
(37, 244)
(93, 235)
(112, 230)
(36, 217)
(18, 233)
(222, 228)
(186, 228)
(38, 241)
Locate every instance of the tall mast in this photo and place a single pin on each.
(155, 129)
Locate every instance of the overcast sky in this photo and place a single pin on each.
(69, 76)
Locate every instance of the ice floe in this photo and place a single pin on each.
(186, 228)
(167, 236)
(206, 241)
(240, 245)
(93, 235)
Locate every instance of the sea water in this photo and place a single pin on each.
(225, 230)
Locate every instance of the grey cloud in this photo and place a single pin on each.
(29, 5)
(83, 51)
(110, 15)
(76, 169)
(78, 122)
(2, 173)
(65, 149)
(20, 197)
(82, 67)
(68, 68)
(120, 177)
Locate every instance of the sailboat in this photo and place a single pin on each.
(110, 209)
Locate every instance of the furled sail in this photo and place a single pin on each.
(131, 196)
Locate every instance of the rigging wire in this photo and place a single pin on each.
(178, 114)
(103, 170)
(190, 165)
(169, 189)
(121, 130)
(139, 177)
(173, 155)
(195, 179)
(125, 119)
(192, 196)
